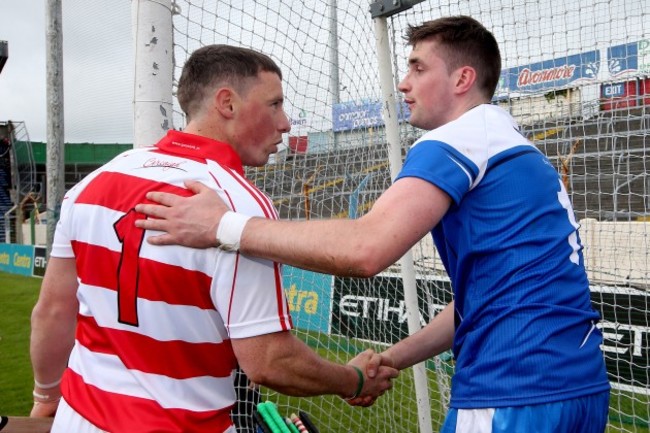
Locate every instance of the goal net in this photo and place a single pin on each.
(575, 76)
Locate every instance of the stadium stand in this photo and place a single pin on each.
(5, 176)
(602, 159)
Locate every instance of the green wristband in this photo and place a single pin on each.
(360, 385)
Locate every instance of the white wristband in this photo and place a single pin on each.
(47, 385)
(230, 230)
(45, 398)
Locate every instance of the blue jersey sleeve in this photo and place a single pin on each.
(443, 166)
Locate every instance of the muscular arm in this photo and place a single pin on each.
(284, 363)
(54, 320)
(429, 341)
(408, 210)
(363, 247)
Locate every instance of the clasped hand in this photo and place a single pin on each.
(378, 374)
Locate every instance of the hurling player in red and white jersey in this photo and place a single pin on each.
(142, 338)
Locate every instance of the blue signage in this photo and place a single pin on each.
(355, 115)
(17, 259)
(629, 58)
(309, 295)
(622, 58)
(551, 74)
(614, 90)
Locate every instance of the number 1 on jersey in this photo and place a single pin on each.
(128, 270)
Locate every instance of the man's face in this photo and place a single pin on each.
(427, 87)
(261, 120)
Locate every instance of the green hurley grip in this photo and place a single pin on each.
(291, 425)
(268, 418)
(279, 421)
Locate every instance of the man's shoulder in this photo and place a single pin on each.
(470, 127)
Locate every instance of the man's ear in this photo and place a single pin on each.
(225, 100)
(465, 79)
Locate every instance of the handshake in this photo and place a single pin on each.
(375, 371)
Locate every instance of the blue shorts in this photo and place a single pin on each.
(580, 415)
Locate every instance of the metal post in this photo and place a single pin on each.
(32, 226)
(152, 94)
(55, 157)
(389, 104)
(334, 63)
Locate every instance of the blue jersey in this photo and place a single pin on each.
(525, 328)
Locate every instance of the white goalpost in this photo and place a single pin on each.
(575, 76)
(153, 71)
(389, 113)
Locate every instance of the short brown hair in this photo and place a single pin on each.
(464, 42)
(214, 65)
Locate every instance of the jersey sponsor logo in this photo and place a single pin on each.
(165, 165)
(185, 145)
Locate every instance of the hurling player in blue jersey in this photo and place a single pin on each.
(521, 326)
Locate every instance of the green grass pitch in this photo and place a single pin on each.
(18, 295)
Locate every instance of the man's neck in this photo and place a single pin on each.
(207, 129)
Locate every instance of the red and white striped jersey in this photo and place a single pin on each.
(152, 349)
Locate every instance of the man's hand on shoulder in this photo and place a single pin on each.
(188, 221)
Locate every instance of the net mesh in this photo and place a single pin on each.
(334, 163)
